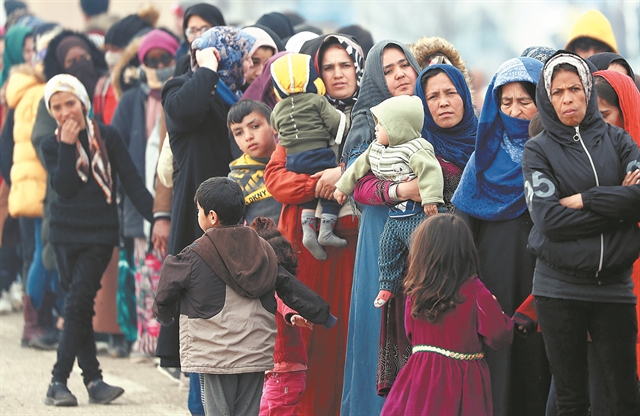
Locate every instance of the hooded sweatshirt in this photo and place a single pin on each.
(224, 285)
(592, 245)
(406, 157)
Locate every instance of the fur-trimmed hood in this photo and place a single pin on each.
(125, 72)
(426, 48)
(51, 66)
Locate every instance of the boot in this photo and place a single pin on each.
(31, 328)
(309, 237)
(327, 237)
(49, 340)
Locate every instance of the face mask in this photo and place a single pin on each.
(86, 73)
(155, 78)
(112, 58)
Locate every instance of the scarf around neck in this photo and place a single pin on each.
(492, 185)
(454, 144)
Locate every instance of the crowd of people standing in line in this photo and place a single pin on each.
(515, 215)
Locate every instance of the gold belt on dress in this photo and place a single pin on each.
(447, 353)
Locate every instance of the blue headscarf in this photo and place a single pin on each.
(454, 144)
(492, 186)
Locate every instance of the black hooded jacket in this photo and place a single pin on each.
(598, 243)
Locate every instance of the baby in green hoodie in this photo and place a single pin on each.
(398, 154)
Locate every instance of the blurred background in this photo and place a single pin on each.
(485, 32)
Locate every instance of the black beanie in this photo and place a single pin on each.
(121, 32)
(94, 7)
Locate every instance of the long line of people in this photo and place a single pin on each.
(109, 140)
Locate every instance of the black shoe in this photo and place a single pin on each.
(59, 395)
(102, 393)
(48, 341)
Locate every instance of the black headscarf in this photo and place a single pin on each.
(604, 59)
(208, 12)
(279, 23)
(121, 32)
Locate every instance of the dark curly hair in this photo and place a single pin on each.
(267, 229)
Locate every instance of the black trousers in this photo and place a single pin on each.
(613, 328)
(80, 267)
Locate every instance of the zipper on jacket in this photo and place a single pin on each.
(578, 138)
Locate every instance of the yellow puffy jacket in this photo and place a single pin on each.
(25, 89)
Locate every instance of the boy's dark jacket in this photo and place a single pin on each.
(225, 283)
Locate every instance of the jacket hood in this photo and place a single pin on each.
(295, 73)
(227, 250)
(125, 72)
(402, 117)
(436, 50)
(23, 77)
(51, 66)
(593, 125)
(594, 25)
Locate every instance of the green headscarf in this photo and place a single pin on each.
(14, 41)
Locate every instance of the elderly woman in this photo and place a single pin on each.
(339, 61)
(82, 160)
(585, 248)
(490, 198)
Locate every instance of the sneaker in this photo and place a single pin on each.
(5, 303)
(16, 293)
(59, 395)
(102, 393)
(172, 372)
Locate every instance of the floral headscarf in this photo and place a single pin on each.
(234, 46)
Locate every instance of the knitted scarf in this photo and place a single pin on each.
(492, 185)
(454, 144)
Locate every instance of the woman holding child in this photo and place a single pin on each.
(339, 62)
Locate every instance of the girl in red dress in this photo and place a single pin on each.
(449, 317)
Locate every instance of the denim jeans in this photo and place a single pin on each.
(81, 267)
(613, 329)
(39, 279)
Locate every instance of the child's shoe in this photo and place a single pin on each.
(59, 395)
(326, 236)
(309, 238)
(102, 393)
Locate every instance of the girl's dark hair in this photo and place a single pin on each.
(266, 228)
(528, 87)
(441, 258)
(606, 91)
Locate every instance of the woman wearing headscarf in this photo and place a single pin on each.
(339, 61)
(618, 102)
(491, 199)
(82, 159)
(391, 71)
(197, 19)
(196, 106)
(585, 248)
(138, 119)
(263, 49)
(613, 62)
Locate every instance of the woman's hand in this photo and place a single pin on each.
(631, 178)
(327, 182)
(573, 201)
(69, 131)
(208, 58)
(160, 235)
(339, 196)
(409, 191)
(297, 320)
